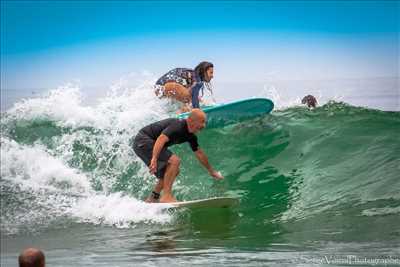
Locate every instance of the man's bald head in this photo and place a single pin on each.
(197, 120)
(31, 257)
(197, 115)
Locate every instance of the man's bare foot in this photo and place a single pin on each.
(167, 198)
(151, 200)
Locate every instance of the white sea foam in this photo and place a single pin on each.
(118, 210)
(102, 131)
(381, 211)
(381, 93)
(34, 167)
(284, 97)
(62, 105)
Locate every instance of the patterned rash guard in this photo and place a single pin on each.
(187, 78)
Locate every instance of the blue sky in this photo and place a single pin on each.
(45, 44)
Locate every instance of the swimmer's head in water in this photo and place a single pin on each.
(310, 101)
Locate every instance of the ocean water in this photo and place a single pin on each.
(316, 187)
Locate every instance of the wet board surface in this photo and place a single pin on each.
(217, 202)
(222, 115)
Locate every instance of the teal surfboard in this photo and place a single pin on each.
(222, 115)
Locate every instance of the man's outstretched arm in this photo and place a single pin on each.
(202, 157)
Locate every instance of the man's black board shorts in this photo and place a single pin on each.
(143, 147)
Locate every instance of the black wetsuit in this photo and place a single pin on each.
(177, 132)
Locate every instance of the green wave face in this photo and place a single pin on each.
(329, 174)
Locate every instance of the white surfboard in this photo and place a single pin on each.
(216, 202)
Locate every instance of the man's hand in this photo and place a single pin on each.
(153, 165)
(158, 146)
(216, 175)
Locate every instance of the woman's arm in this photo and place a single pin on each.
(195, 89)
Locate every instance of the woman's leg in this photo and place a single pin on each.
(177, 91)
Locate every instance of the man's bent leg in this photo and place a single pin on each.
(155, 195)
(169, 178)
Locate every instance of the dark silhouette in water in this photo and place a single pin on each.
(310, 101)
(31, 257)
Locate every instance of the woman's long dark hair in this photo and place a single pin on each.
(201, 70)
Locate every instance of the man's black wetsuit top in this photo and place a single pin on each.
(175, 129)
(177, 132)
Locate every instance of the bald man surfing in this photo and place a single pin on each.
(151, 145)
